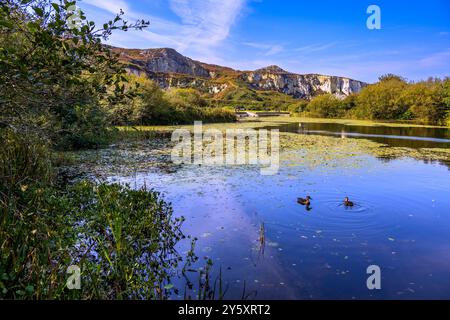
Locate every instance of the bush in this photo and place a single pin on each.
(152, 106)
(299, 107)
(123, 240)
(185, 98)
(381, 101)
(424, 103)
(127, 244)
(325, 106)
(24, 159)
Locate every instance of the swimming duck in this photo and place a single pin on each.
(348, 203)
(304, 202)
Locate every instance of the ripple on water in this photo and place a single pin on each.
(367, 218)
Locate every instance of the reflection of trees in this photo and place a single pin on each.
(385, 159)
(423, 132)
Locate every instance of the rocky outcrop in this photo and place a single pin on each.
(171, 69)
(163, 60)
(300, 86)
(167, 81)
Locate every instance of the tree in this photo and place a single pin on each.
(446, 97)
(54, 75)
(325, 106)
(381, 100)
(391, 76)
(185, 98)
(424, 102)
(151, 106)
(298, 107)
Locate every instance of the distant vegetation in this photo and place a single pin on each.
(392, 98)
(150, 105)
(242, 96)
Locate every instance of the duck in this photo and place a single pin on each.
(304, 201)
(348, 203)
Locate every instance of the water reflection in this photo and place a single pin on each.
(252, 227)
(410, 137)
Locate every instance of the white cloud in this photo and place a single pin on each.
(108, 5)
(202, 27)
(315, 47)
(438, 59)
(269, 49)
(206, 23)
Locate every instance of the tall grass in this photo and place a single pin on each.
(24, 159)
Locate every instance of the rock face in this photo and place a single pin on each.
(164, 60)
(171, 69)
(300, 86)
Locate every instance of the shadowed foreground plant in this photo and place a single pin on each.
(128, 242)
(122, 239)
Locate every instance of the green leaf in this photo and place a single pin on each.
(6, 24)
(56, 7)
(39, 11)
(168, 287)
(33, 26)
(29, 289)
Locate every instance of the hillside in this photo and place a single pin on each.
(171, 69)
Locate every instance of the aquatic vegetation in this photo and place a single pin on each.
(149, 148)
(122, 240)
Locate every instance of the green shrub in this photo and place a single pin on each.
(299, 107)
(24, 159)
(325, 106)
(381, 101)
(424, 103)
(123, 240)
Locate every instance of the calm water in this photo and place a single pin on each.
(412, 137)
(401, 222)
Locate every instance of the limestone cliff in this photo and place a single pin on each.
(300, 85)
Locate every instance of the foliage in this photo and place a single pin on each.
(446, 97)
(54, 74)
(299, 107)
(189, 106)
(381, 100)
(392, 98)
(185, 98)
(424, 103)
(390, 76)
(128, 242)
(24, 159)
(325, 106)
(151, 106)
(242, 96)
(123, 240)
(56, 82)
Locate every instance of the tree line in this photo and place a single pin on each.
(391, 98)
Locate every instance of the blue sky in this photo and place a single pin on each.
(327, 37)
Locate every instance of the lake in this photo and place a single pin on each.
(396, 136)
(400, 221)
